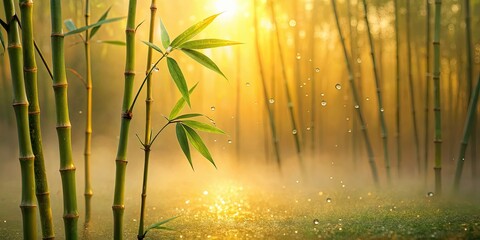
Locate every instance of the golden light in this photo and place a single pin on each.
(228, 7)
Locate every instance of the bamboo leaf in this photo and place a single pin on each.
(155, 47)
(190, 115)
(140, 24)
(112, 42)
(180, 104)
(178, 78)
(198, 144)
(207, 43)
(192, 31)
(102, 18)
(204, 60)
(82, 29)
(202, 127)
(164, 35)
(183, 141)
(70, 25)
(159, 225)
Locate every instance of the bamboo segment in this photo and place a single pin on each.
(20, 105)
(467, 131)
(379, 95)
(148, 121)
(30, 73)
(398, 90)
(356, 99)
(118, 206)
(436, 90)
(427, 89)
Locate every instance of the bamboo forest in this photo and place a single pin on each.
(239, 119)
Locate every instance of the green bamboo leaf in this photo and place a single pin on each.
(204, 60)
(113, 42)
(82, 29)
(103, 17)
(183, 141)
(198, 144)
(190, 115)
(155, 47)
(192, 31)
(159, 225)
(69, 24)
(180, 104)
(178, 78)
(207, 43)
(164, 35)
(202, 126)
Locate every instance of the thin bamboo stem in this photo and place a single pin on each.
(30, 74)
(436, 89)
(148, 121)
(88, 191)
(118, 206)
(412, 91)
(398, 90)
(427, 89)
(271, 118)
(379, 95)
(20, 105)
(467, 131)
(356, 99)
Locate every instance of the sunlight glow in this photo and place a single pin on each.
(228, 7)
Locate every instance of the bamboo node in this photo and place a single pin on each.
(70, 216)
(129, 73)
(437, 140)
(30, 70)
(63, 125)
(14, 45)
(130, 30)
(19, 104)
(27, 158)
(60, 35)
(60, 85)
(127, 115)
(40, 194)
(27, 206)
(26, 4)
(118, 207)
(121, 161)
(68, 169)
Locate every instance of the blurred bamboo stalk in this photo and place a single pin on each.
(356, 99)
(30, 74)
(398, 90)
(379, 95)
(20, 105)
(427, 89)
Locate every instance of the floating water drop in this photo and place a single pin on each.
(229, 141)
(328, 200)
(271, 100)
(294, 131)
(338, 86)
(247, 84)
(205, 192)
(359, 60)
(430, 194)
(367, 98)
(80, 112)
(299, 56)
(212, 108)
(309, 128)
(317, 70)
(292, 23)
(315, 221)
(357, 106)
(382, 110)
(324, 103)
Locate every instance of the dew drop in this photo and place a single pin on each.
(80, 112)
(155, 69)
(294, 131)
(338, 86)
(299, 56)
(382, 110)
(212, 108)
(430, 194)
(357, 106)
(205, 192)
(359, 60)
(317, 70)
(229, 141)
(271, 100)
(292, 23)
(328, 200)
(309, 128)
(324, 103)
(315, 221)
(247, 84)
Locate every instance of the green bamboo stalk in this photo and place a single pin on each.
(295, 130)
(436, 89)
(271, 118)
(60, 84)
(356, 99)
(379, 95)
(118, 206)
(148, 122)
(398, 90)
(88, 192)
(467, 131)
(20, 105)
(427, 89)
(30, 74)
(313, 92)
(411, 88)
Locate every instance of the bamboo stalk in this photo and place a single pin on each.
(271, 118)
(30, 74)
(20, 105)
(356, 99)
(148, 121)
(436, 90)
(427, 90)
(467, 131)
(67, 167)
(295, 130)
(411, 88)
(398, 90)
(88, 192)
(379, 95)
(118, 206)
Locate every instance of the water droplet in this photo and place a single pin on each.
(328, 200)
(205, 192)
(382, 110)
(367, 98)
(317, 70)
(359, 60)
(348, 119)
(315, 221)
(324, 103)
(134, 220)
(349, 130)
(338, 86)
(357, 106)
(212, 108)
(292, 23)
(294, 131)
(309, 128)
(247, 84)
(80, 112)
(299, 56)
(155, 69)
(430, 194)
(229, 141)
(271, 100)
